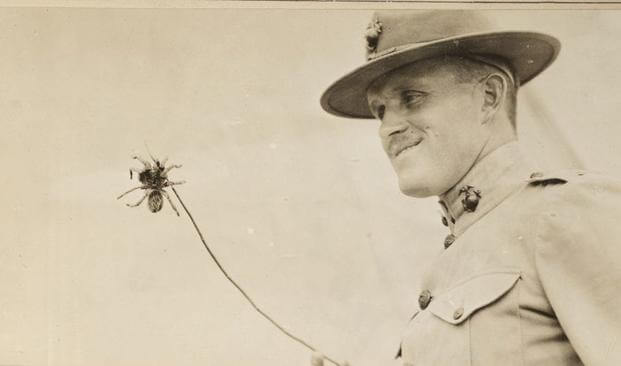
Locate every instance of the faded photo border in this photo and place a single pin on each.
(300, 207)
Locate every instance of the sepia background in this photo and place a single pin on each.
(301, 207)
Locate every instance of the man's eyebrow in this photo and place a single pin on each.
(397, 91)
(418, 84)
(403, 90)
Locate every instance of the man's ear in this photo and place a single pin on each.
(494, 92)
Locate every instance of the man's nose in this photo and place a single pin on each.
(392, 124)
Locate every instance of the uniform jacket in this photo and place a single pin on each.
(532, 277)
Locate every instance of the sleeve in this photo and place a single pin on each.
(578, 258)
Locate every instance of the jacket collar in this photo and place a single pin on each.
(492, 180)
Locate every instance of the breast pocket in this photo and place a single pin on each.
(476, 322)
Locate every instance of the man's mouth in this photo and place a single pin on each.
(407, 146)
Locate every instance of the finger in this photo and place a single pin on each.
(316, 359)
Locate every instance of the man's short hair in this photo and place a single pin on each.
(471, 70)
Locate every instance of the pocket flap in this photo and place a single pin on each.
(457, 304)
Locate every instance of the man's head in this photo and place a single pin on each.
(439, 116)
(449, 110)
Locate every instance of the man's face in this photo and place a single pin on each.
(432, 125)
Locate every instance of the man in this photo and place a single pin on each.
(531, 271)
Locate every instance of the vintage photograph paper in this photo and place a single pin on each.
(301, 207)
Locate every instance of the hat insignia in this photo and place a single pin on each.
(372, 35)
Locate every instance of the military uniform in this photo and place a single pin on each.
(530, 273)
(530, 276)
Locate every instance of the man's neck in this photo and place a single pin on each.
(489, 181)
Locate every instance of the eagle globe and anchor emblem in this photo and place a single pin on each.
(371, 35)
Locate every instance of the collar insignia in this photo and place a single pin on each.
(471, 198)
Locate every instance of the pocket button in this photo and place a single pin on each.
(458, 313)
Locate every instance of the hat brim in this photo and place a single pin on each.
(527, 53)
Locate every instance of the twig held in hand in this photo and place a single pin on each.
(228, 277)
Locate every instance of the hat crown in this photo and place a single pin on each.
(404, 28)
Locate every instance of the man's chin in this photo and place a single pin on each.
(423, 183)
(415, 190)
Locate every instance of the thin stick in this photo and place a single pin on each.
(287, 333)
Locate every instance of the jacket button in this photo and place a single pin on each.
(458, 313)
(424, 299)
(449, 240)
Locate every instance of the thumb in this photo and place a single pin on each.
(316, 359)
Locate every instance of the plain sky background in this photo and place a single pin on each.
(301, 207)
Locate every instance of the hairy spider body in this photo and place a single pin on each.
(154, 180)
(155, 201)
(153, 177)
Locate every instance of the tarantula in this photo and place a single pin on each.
(154, 178)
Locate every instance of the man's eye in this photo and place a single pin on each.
(380, 112)
(377, 109)
(411, 96)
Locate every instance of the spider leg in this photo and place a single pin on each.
(170, 168)
(131, 190)
(146, 194)
(144, 162)
(170, 201)
(150, 155)
(134, 170)
(169, 183)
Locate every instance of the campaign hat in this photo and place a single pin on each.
(398, 38)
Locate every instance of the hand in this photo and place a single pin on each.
(317, 360)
